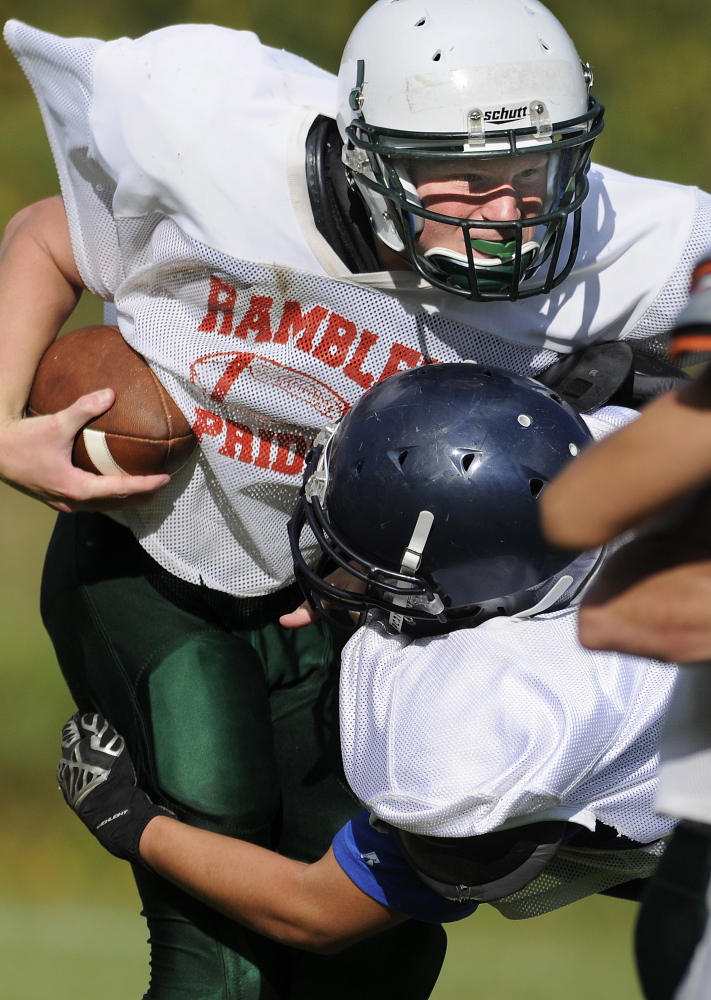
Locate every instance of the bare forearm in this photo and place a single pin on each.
(39, 287)
(315, 907)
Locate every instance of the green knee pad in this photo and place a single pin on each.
(211, 732)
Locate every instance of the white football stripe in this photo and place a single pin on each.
(98, 451)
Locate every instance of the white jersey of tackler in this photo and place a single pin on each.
(511, 722)
(507, 723)
(181, 159)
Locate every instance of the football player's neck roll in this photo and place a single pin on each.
(426, 493)
(467, 132)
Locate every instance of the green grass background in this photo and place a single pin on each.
(68, 912)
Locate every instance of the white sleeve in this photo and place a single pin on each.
(607, 419)
(60, 72)
(673, 296)
(192, 123)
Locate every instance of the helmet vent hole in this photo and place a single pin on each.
(555, 397)
(543, 45)
(401, 457)
(418, 24)
(488, 373)
(359, 466)
(467, 460)
(535, 485)
(437, 56)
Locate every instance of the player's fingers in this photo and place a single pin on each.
(85, 408)
(605, 628)
(666, 616)
(63, 508)
(641, 558)
(303, 615)
(123, 487)
(89, 492)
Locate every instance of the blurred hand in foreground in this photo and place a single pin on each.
(653, 596)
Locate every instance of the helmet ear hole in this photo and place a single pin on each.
(467, 460)
(398, 457)
(535, 485)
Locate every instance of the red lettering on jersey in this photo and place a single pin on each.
(400, 359)
(353, 368)
(240, 440)
(230, 375)
(265, 448)
(220, 302)
(293, 321)
(207, 423)
(291, 450)
(258, 317)
(238, 435)
(336, 341)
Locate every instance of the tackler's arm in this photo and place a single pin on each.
(311, 906)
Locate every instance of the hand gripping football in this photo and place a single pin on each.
(143, 433)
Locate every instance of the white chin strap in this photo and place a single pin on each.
(556, 591)
(410, 563)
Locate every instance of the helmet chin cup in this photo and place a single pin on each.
(495, 273)
(499, 253)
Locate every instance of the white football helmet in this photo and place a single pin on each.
(426, 81)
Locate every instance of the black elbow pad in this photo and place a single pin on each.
(484, 868)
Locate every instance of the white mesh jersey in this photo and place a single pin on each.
(505, 724)
(181, 161)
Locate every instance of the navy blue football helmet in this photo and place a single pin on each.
(427, 493)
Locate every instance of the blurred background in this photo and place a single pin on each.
(68, 912)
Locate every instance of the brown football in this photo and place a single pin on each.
(143, 433)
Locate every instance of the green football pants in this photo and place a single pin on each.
(232, 722)
(673, 915)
